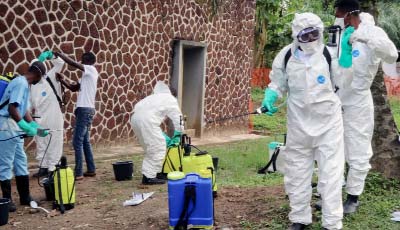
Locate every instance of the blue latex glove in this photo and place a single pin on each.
(346, 57)
(27, 128)
(45, 55)
(270, 98)
(37, 127)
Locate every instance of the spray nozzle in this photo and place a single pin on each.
(261, 110)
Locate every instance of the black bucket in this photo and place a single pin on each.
(215, 163)
(48, 184)
(4, 203)
(123, 170)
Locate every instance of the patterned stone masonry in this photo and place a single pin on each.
(133, 43)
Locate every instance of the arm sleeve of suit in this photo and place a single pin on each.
(279, 81)
(175, 114)
(381, 45)
(362, 60)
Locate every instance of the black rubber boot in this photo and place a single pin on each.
(43, 172)
(162, 176)
(23, 189)
(297, 226)
(351, 204)
(152, 181)
(6, 189)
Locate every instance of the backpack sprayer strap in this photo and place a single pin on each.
(4, 103)
(274, 156)
(190, 196)
(60, 101)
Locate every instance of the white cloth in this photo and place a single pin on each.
(46, 106)
(137, 198)
(88, 87)
(148, 115)
(396, 216)
(315, 128)
(370, 46)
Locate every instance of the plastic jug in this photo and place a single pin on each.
(201, 212)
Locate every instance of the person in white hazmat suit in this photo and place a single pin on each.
(46, 99)
(148, 114)
(314, 123)
(364, 48)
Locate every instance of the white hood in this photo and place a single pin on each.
(161, 87)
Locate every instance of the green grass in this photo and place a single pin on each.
(240, 161)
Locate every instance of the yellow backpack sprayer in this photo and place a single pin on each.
(64, 186)
(180, 158)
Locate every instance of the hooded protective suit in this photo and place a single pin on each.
(370, 45)
(315, 126)
(46, 106)
(148, 115)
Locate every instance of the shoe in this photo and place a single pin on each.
(318, 205)
(297, 226)
(6, 189)
(78, 178)
(162, 176)
(351, 204)
(152, 181)
(23, 189)
(41, 173)
(89, 174)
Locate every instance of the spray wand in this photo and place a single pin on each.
(258, 111)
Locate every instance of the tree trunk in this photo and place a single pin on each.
(385, 143)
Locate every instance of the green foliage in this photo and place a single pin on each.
(389, 20)
(273, 20)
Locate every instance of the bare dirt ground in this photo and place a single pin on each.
(99, 206)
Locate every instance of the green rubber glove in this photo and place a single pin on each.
(346, 58)
(176, 139)
(43, 133)
(34, 124)
(270, 98)
(28, 129)
(45, 55)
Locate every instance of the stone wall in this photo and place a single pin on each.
(133, 42)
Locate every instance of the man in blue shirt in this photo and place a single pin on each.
(15, 121)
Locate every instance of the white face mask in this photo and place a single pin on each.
(310, 47)
(339, 22)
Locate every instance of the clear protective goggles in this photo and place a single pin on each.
(309, 34)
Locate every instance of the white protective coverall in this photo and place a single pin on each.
(315, 127)
(148, 114)
(46, 106)
(371, 45)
